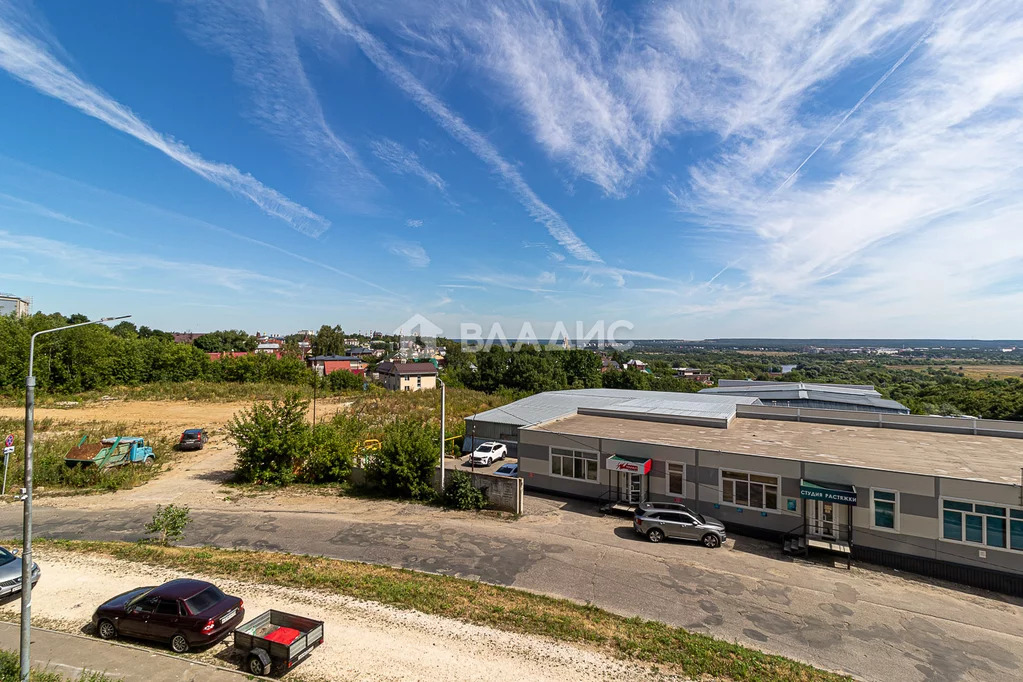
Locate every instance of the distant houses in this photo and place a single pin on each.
(407, 376)
(693, 374)
(324, 365)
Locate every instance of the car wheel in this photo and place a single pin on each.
(655, 535)
(106, 630)
(710, 540)
(179, 644)
(149, 461)
(256, 665)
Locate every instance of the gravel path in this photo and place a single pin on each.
(363, 640)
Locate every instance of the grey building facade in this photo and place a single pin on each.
(938, 496)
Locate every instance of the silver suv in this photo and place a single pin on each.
(658, 524)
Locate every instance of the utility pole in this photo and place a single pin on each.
(443, 401)
(26, 495)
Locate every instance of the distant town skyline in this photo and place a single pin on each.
(807, 170)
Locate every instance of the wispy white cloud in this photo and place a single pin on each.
(141, 209)
(405, 162)
(112, 270)
(260, 39)
(413, 252)
(29, 60)
(39, 209)
(479, 145)
(414, 222)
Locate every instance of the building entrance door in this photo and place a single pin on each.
(826, 519)
(632, 491)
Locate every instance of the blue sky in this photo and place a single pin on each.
(799, 169)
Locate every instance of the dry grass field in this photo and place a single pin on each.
(971, 371)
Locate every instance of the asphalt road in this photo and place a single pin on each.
(872, 624)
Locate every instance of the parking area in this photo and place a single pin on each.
(464, 463)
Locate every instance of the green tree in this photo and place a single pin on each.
(329, 341)
(226, 341)
(168, 524)
(343, 380)
(408, 456)
(271, 439)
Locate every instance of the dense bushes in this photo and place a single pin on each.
(404, 466)
(332, 450)
(459, 493)
(272, 439)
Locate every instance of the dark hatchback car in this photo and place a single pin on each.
(193, 439)
(185, 613)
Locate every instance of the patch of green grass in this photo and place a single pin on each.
(670, 648)
(10, 671)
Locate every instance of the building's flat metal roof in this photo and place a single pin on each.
(982, 458)
(545, 406)
(786, 390)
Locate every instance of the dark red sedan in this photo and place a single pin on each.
(186, 613)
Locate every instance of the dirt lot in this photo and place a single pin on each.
(363, 640)
(172, 417)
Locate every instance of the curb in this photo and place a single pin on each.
(124, 645)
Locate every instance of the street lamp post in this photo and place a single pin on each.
(26, 551)
(443, 399)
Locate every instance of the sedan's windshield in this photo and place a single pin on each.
(6, 557)
(204, 600)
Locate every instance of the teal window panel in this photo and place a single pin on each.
(974, 528)
(995, 532)
(992, 511)
(1016, 535)
(882, 495)
(961, 506)
(884, 514)
(953, 526)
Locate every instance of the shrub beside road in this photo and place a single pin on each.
(672, 649)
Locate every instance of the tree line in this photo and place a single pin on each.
(96, 357)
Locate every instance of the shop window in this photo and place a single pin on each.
(578, 464)
(675, 478)
(884, 509)
(744, 489)
(982, 524)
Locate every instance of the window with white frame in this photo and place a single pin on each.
(579, 464)
(745, 489)
(984, 524)
(675, 479)
(884, 509)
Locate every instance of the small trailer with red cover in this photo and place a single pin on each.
(275, 641)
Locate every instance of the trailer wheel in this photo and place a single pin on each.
(259, 662)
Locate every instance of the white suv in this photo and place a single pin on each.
(486, 454)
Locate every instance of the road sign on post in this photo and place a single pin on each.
(8, 451)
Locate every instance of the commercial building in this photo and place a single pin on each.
(935, 495)
(14, 305)
(798, 394)
(407, 376)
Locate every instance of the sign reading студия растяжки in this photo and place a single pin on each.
(827, 492)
